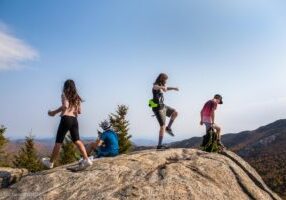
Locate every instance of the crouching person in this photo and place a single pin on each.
(107, 143)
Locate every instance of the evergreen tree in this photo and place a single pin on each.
(3, 142)
(69, 152)
(27, 156)
(121, 126)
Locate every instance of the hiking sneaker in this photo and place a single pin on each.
(169, 131)
(162, 147)
(84, 164)
(91, 158)
(46, 162)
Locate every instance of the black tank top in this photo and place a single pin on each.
(158, 97)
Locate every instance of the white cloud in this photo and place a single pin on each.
(14, 52)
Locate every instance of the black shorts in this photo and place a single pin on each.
(68, 123)
(161, 114)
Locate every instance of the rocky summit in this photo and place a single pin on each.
(170, 174)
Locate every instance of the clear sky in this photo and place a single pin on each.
(115, 49)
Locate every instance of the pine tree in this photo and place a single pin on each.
(69, 152)
(121, 126)
(27, 156)
(3, 142)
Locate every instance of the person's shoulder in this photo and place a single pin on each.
(214, 104)
(155, 85)
(111, 132)
(103, 135)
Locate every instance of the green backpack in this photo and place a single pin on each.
(152, 104)
(210, 142)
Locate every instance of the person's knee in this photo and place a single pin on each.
(218, 128)
(92, 145)
(175, 113)
(77, 142)
(162, 129)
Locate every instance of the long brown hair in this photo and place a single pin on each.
(161, 79)
(71, 94)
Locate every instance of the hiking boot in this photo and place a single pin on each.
(84, 164)
(90, 158)
(162, 147)
(46, 162)
(169, 131)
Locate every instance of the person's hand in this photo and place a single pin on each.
(51, 113)
(165, 89)
(201, 123)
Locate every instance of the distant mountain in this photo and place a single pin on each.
(264, 148)
(143, 142)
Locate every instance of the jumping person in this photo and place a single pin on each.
(107, 143)
(69, 110)
(208, 116)
(160, 110)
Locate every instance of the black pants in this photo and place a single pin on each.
(70, 124)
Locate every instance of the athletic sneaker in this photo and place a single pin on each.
(162, 147)
(84, 164)
(90, 158)
(46, 162)
(169, 131)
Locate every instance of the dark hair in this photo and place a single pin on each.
(161, 79)
(71, 94)
(218, 97)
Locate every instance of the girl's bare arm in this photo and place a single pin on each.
(60, 109)
(173, 88)
(54, 112)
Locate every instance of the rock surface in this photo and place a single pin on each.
(9, 176)
(171, 174)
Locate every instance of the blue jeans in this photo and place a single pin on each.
(103, 152)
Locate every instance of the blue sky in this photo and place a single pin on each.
(115, 49)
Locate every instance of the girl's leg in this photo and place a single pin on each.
(161, 135)
(218, 132)
(74, 131)
(62, 130)
(56, 152)
(173, 117)
(81, 148)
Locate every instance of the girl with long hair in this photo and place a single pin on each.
(161, 110)
(69, 110)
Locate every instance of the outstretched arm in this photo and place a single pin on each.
(173, 88)
(158, 87)
(60, 109)
(164, 88)
(54, 112)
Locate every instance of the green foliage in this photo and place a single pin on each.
(3, 142)
(27, 156)
(210, 142)
(121, 126)
(271, 166)
(69, 152)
